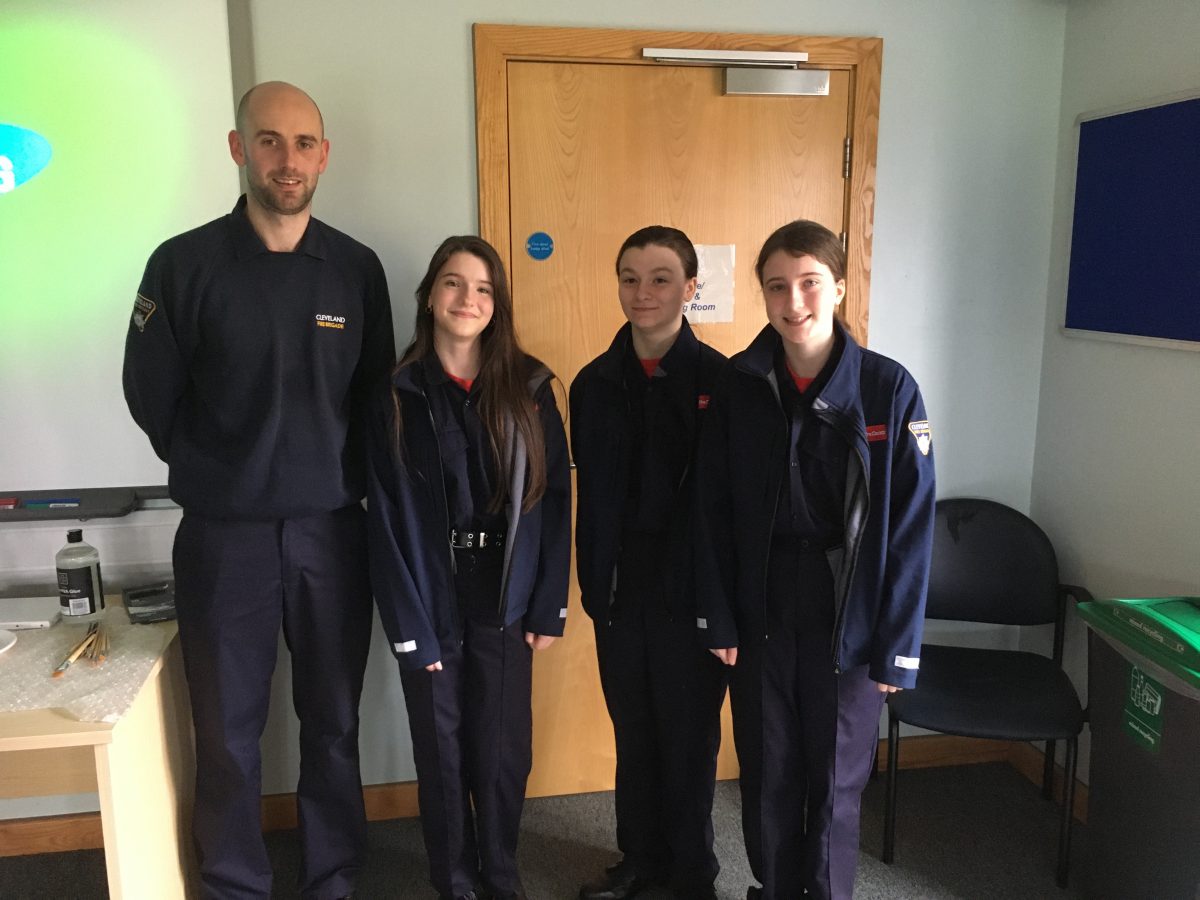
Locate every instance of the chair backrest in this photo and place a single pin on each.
(990, 564)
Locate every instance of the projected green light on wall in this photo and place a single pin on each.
(94, 115)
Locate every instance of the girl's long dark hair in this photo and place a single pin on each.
(503, 373)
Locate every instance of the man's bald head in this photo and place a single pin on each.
(267, 92)
(280, 140)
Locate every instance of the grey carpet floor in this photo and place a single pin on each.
(969, 832)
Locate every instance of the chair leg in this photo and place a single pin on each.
(1048, 771)
(875, 760)
(889, 806)
(1068, 811)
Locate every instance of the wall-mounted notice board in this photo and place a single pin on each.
(1135, 241)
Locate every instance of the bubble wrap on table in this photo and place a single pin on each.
(101, 693)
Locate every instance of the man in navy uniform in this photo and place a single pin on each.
(252, 348)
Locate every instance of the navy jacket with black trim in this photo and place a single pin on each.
(881, 571)
(408, 527)
(601, 443)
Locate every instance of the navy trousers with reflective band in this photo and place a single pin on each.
(471, 726)
(804, 736)
(237, 584)
(664, 693)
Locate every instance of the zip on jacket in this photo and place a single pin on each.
(606, 452)
(515, 449)
(881, 570)
(856, 507)
(412, 566)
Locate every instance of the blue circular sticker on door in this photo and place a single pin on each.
(539, 245)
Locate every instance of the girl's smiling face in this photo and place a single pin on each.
(801, 296)
(461, 301)
(652, 288)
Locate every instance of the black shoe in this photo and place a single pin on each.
(753, 893)
(619, 882)
(469, 895)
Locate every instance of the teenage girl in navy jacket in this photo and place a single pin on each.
(469, 529)
(635, 414)
(816, 514)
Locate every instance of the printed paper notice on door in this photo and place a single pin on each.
(713, 301)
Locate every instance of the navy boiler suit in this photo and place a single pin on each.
(633, 439)
(814, 561)
(250, 371)
(467, 607)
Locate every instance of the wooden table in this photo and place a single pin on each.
(142, 767)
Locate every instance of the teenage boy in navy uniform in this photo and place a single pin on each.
(636, 411)
(253, 344)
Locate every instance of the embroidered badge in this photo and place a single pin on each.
(324, 321)
(876, 433)
(923, 434)
(143, 309)
(702, 401)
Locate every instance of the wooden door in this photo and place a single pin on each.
(594, 149)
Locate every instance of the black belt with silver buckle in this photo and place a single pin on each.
(476, 540)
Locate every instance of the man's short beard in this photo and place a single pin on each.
(266, 199)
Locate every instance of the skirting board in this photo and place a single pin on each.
(53, 834)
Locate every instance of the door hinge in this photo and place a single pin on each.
(846, 156)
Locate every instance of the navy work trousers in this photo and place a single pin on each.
(472, 736)
(805, 736)
(664, 693)
(237, 583)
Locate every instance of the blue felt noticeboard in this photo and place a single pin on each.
(1135, 241)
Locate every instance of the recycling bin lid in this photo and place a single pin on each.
(1165, 630)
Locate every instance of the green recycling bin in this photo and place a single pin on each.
(1144, 712)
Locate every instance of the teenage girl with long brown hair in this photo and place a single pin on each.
(469, 526)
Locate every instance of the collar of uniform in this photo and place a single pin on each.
(410, 378)
(759, 358)
(678, 358)
(787, 383)
(681, 357)
(610, 365)
(432, 372)
(247, 243)
(841, 392)
(415, 376)
(841, 389)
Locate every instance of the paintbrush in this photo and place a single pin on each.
(75, 653)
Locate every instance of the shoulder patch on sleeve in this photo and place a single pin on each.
(924, 435)
(143, 309)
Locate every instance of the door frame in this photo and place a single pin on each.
(496, 45)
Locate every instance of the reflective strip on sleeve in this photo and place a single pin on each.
(406, 647)
(908, 662)
(702, 623)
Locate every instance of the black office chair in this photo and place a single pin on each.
(992, 564)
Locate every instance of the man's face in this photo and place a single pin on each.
(283, 148)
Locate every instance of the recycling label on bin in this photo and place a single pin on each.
(1144, 710)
